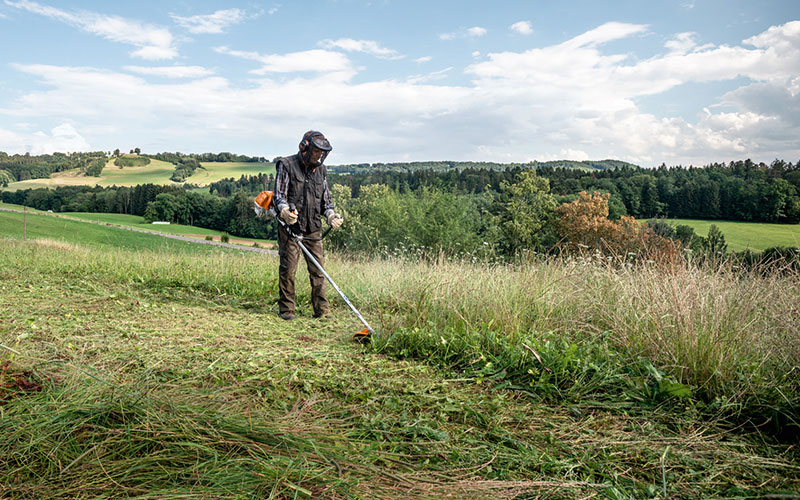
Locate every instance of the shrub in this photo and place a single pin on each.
(132, 162)
(584, 226)
(225, 238)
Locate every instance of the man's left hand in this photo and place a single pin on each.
(335, 220)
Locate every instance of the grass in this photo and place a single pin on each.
(179, 229)
(74, 232)
(172, 375)
(52, 225)
(743, 235)
(216, 171)
(157, 172)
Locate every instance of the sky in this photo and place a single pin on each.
(678, 82)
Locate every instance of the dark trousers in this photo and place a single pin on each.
(289, 254)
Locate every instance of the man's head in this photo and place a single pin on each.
(314, 148)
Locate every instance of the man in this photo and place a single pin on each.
(302, 197)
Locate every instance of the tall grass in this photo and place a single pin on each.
(725, 339)
(729, 337)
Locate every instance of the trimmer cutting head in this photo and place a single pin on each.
(362, 336)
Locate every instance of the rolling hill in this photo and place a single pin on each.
(157, 172)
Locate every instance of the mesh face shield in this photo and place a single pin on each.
(314, 148)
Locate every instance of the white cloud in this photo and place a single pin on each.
(319, 61)
(171, 71)
(154, 42)
(433, 76)
(475, 31)
(274, 9)
(366, 46)
(3, 16)
(63, 138)
(522, 27)
(577, 99)
(211, 23)
(423, 59)
(573, 154)
(682, 43)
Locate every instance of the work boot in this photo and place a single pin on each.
(288, 316)
(323, 314)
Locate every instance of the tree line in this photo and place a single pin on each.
(482, 212)
(737, 191)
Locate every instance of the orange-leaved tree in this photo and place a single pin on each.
(584, 225)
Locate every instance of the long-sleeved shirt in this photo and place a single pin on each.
(281, 193)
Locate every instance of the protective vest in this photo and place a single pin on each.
(305, 191)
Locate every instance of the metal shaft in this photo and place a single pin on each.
(299, 241)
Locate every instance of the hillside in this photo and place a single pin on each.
(140, 371)
(84, 228)
(157, 172)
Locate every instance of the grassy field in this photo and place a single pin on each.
(157, 172)
(154, 373)
(182, 230)
(743, 235)
(137, 222)
(215, 171)
(74, 232)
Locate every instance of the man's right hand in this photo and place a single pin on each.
(288, 216)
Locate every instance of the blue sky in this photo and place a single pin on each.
(680, 82)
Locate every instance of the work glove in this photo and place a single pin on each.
(335, 220)
(288, 216)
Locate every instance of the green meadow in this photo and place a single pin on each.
(740, 236)
(157, 172)
(35, 226)
(215, 171)
(138, 367)
(137, 222)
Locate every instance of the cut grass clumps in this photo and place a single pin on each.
(83, 438)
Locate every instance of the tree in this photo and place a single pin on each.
(116, 152)
(715, 245)
(685, 234)
(525, 213)
(584, 225)
(5, 178)
(137, 151)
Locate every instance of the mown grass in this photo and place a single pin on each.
(172, 375)
(740, 236)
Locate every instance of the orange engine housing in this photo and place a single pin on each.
(264, 200)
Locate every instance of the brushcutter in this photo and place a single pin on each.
(264, 207)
